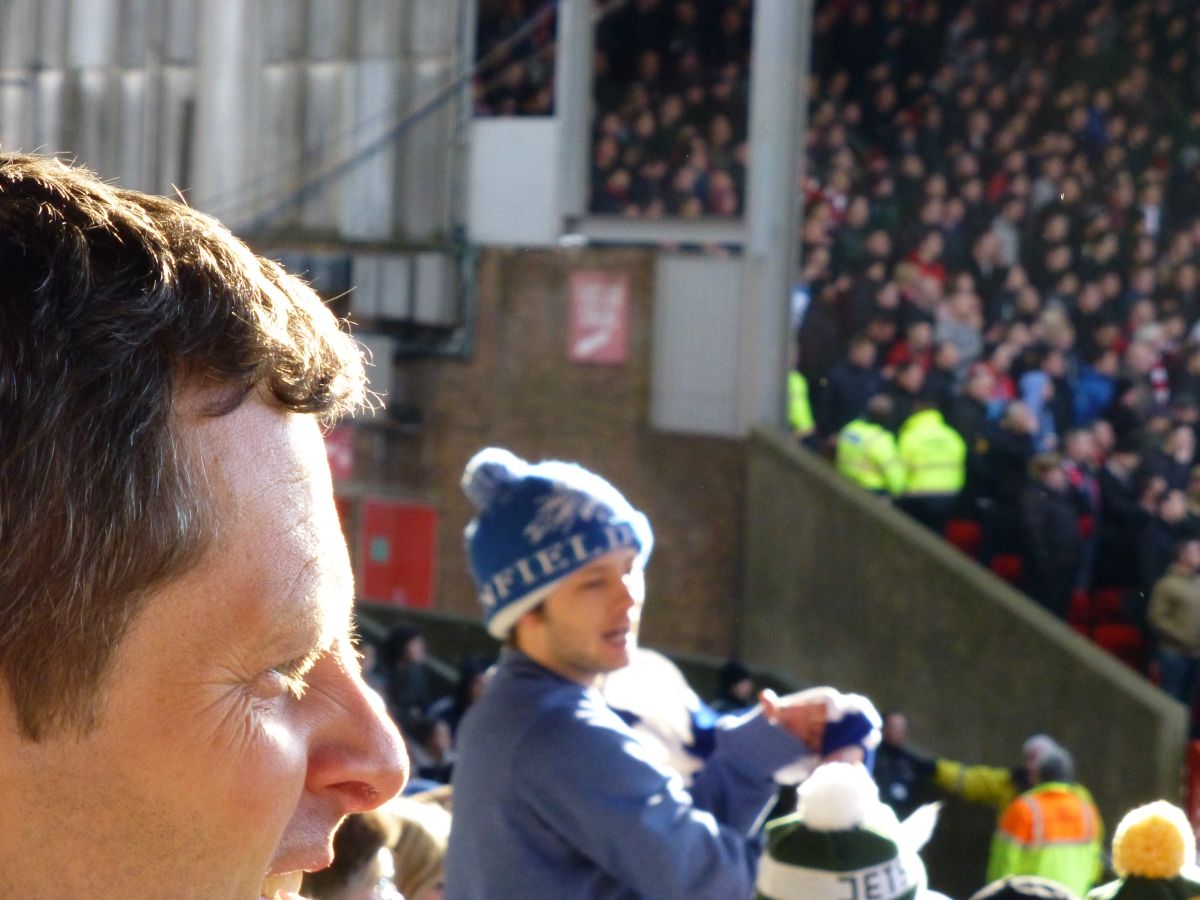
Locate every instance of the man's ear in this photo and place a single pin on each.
(528, 623)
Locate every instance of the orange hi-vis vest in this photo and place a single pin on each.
(1052, 831)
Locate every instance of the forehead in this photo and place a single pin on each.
(278, 561)
(622, 561)
(616, 563)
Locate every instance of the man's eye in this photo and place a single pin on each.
(288, 678)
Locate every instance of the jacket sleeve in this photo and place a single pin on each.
(589, 781)
(736, 783)
(977, 784)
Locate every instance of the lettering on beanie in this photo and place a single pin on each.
(878, 883)
(558, 558)
(883, 881)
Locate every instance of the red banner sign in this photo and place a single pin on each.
(599, 318)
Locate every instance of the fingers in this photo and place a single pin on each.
(770, 703)
(804, 720)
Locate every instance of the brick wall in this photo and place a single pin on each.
(518, 389)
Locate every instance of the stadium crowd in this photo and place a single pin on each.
(671, 88)
(514, 49)
(1002, 232)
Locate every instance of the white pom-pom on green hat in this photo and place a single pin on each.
(827, 850)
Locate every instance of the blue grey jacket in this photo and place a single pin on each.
(555, 797)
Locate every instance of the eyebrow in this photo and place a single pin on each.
(600, 565)
(304, 615)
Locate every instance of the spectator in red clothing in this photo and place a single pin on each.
(927, 256)
(1081, 458)
(998, 364)
(916, 346)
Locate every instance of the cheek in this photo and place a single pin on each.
(268, 768)
(242, 760)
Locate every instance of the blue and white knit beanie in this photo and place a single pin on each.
(538, 523)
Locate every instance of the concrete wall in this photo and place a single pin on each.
(518, 389)
(840, 588)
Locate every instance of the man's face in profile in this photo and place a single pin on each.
(234, 731)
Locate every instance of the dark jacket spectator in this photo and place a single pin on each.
(472, 677)
(1159, 534)
(844, 392)
(409, 687)
(1002, 466)
(1052, 549)
(1174, 459)
(967, 411)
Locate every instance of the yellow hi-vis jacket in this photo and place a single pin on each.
(866, 454)
(1052, 831)
(934, 455)
(800, 416)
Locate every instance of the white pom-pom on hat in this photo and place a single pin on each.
(488, 472)
(837, 797)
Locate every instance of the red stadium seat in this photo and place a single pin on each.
(965, 534)
(1007, 566)
(1123, 641)
(1079, 613)
(1108, 604)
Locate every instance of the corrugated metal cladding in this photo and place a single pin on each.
(241, 103)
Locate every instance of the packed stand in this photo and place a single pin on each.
(514, 58)
(671, 93)
(671, 84)
(1002, 243)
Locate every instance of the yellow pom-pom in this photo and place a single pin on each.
(1153, 841)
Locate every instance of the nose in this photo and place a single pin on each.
(634, 593)
(356, 759)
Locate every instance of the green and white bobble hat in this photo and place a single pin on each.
(826, 850)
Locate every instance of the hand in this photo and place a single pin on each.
(802, 715)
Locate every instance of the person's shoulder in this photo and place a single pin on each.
(567, 729)
(569, 709)
(518, 679)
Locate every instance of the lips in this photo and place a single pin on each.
(617, 636)
(282, 887)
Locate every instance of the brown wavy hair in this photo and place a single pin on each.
(112, 303)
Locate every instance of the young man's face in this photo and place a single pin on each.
(217, 761)
(588, 625)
